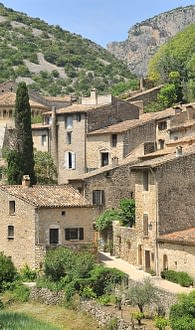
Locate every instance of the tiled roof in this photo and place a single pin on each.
(8, 99)
(190, 139)
(186, 236)
(129, 124)
(74, 108)
(187, 124)
(40, 126)
(157, 161)
(65, 98)
(48, 196)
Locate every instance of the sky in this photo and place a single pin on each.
(102, 21)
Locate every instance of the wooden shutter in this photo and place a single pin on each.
(67, 236)
(81, 234)
(73, 160)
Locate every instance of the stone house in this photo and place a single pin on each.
(164, 196)
(70, 126)
(35, 219)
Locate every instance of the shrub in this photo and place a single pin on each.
(182, 314)
(21, 293)
(112, 324)
(103, 280)
(138, 316)
(181, 278)
(27, 274)
(161, 322)
(8, 271)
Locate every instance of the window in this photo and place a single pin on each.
(70, 160)
(78, 116)
(69, 138)
(54, 236)
(12, 207)
(114, 140)
(43, 140)
(69, 122)
(145, 224)
(104, 158)
(74, 234)
(161, 144)
(10, 232)
(162, 125)
(98, 197)
(145, 180)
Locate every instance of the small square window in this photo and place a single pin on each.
(98, 197)
(63, 213)
(12, 207)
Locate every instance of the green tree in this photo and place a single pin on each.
(167, 95)
(45, 169)
(141, 294)
(127, 212)
(7, 270)
(21, 159)
(182, 314)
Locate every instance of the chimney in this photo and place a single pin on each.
(179, 151)
(93, 96)
(26, 181)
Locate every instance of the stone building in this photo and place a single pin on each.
(164, 195)
(70, 126)
(35, 219)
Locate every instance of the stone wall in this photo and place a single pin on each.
(111, 114)
(48, 297)
(176, 194)
(138, 135)
(147, 96)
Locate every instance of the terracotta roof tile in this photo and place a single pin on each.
(186, 236)
(48, 196)
(157, 161)
(8, 99)
(74, 108)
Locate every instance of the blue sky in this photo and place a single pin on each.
(101, 21)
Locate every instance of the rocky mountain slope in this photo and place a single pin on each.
(54, 61)
(146, 37)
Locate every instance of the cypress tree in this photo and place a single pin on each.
(21, 160)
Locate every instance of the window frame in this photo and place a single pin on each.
(69, 122)
(114, 138)
(74, 234)
(53, 240)
(12, 207)
(145, 178)
(10, 232)
(98, 197)
(104, 160)
(70, 160)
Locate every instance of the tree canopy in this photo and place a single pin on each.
(177, 55)
(21, 158)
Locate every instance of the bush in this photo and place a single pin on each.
(103, 280)
(21, 293)
(182, 314)
(7, 270)
(161, 322)
(181, 278)
(27, 274)
(138, 316)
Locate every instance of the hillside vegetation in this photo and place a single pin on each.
(145, 38)
(54, 61)
(174, 63)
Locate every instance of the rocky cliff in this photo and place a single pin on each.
(146, 37)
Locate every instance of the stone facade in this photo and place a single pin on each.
(178, 257)
(70, 127)
(31, 223)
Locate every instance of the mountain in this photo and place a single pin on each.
(54, 61)
(145, 38)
